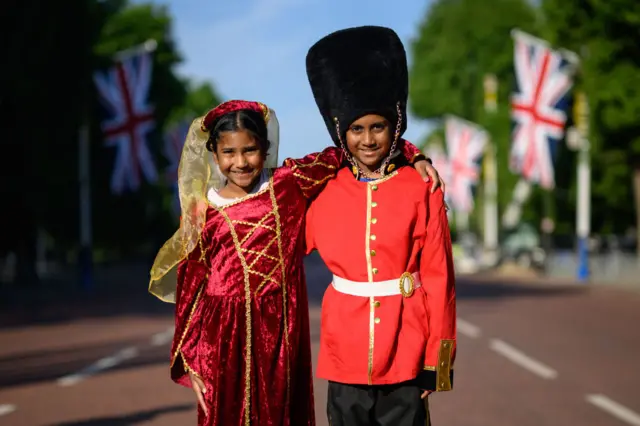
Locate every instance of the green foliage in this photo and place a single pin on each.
(458, 43)
(461, 40)
(606, 34)
(200, 99)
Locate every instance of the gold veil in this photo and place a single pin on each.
(197, 173)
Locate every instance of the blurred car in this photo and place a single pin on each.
(522, 246)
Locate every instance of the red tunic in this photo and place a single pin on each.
(376, 231)
(242, 319)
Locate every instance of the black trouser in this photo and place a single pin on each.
(383, 405)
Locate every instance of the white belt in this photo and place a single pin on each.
(405, 285)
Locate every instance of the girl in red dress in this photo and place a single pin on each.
(242, 328)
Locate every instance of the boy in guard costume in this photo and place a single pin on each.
(388, 334)
(235, 270)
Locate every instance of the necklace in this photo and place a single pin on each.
(369, 175)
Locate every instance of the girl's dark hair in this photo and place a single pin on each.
(244, 119)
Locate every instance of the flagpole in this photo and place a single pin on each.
(490, 186)
(85, 258)
(521, 192)
(583, 207)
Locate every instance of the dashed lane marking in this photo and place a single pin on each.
(7, 409)
(615, 409)
(523, 360)
(162, 338)
(468, 329)
(99, 366)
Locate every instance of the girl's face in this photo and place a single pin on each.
(369, 141)
(240, 158)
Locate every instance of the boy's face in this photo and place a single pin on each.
(369, 140)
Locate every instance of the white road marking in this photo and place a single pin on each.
(7, 409)
(617, 410)
(98, 366)
(467, 328)
(162, 338)
(523, 360)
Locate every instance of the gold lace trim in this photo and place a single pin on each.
(276, 213)
(187, 327)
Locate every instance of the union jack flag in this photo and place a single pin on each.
(123, 91)
(538, 108)
(174, 139)
(466, 142)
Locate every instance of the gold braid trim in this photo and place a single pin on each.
(315, 181)
(188, 368)
(187, 327)
(315, 162)
(276, 213)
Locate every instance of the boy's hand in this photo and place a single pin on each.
(425, 394)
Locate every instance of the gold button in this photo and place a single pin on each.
(442, 384)
(374, 270)
(376, 304)
(442, 364)
(373, 252)
(374, 187)
(377, 320)
(374, 220)
(374, 204)
(446, 345)
(373, 237)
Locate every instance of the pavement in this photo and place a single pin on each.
(529, 353)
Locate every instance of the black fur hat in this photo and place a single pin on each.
(359, 71)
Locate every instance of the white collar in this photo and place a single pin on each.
(215, 198)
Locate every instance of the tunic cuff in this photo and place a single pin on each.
(439, 378)
(431, 380)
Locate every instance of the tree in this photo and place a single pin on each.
(130, 222)
(200, 98)
(459, 42)
(45, 71)
(605, 33)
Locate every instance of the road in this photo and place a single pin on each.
(527, 355)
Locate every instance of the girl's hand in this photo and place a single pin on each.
(425, 394)
(199, 388)
(429, 173)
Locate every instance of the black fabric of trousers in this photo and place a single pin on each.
(383, 405)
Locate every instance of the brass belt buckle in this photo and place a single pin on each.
(407, 277)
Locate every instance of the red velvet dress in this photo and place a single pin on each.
(242, 318)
